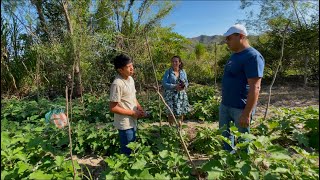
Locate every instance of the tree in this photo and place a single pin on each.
(199, 50)
(270, 19)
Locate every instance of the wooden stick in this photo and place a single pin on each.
(155, 75)
(70, 139)
(275, 75)
(179, 130)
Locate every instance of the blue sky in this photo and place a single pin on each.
(195, 18)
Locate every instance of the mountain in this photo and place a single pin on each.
(219, 39)
(204, 39)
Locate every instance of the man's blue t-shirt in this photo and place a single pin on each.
(241, 66)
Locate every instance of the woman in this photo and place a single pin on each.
(175, 83)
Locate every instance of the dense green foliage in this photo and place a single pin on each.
(283, 147)
(48, 45)
(43, 52)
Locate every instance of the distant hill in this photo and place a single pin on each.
(207, 39)
(219, 39)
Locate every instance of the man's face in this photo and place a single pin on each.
(127, 70)
(233, 41)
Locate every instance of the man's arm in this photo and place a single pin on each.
(253, 95)
(115, 108)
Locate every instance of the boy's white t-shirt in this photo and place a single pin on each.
(124, 92)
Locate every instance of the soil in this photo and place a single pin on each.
(289, 96)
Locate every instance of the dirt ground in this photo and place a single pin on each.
(289, 96)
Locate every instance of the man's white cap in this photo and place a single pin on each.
(237, 28)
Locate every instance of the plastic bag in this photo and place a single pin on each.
(58, 117)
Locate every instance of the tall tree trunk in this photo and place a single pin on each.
(75, 55)
(38, 4)
(10, 74)
(295, 12)
(306, 70)
(305, 53)
(38, 75)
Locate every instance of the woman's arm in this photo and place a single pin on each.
(186, 82)
(165, 81)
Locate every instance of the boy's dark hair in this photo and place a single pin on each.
(121, 60)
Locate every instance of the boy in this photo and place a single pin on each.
(123, 102)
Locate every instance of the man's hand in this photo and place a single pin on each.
(244, 120)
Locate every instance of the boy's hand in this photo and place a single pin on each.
(142, 113)
(135, 114)
(138, 114)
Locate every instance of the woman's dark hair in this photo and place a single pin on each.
(121, 60)
(181, 63)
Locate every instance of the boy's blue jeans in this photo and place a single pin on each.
(126, 136)
(226, 115)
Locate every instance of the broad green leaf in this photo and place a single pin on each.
(225, 139)
(23, 167)
(161, 176)
(270, 176)
(273, 124)
(21, 156)
(258, 144)
(302, 139)
(281, 170)
(109, 176)
(127, 175)
(145, 175)
(15, 151)
(244, 168)
(242, 144)
(233, 128)
(254, 174)
(59, 160)
(34, 117)
(248, 136)
(133, 145)
(300, 151)
(276, 149)
(92, 135)
(263, 140)
(163, 154)
(279, 156)
(174, 155)
(40, 175)
(95, 145)
(38, 129)
(110, 162)
(211, 164)
(67, 165)
(139, 164)
(215, 173)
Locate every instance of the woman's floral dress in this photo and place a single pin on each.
(176, 100)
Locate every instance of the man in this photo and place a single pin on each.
(240, 83)
(123, 102)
